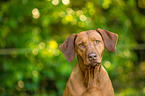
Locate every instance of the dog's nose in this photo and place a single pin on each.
(92, 56)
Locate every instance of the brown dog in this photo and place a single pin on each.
(89, 78)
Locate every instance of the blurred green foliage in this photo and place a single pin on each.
(31, 31)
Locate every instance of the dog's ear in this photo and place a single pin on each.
(68, 48)
(110, 39)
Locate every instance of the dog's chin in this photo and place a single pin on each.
(93, 64)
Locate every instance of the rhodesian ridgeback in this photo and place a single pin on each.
(89, 78)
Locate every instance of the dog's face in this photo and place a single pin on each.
(90, 46)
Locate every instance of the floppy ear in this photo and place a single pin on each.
(110, 39)
(68, 49)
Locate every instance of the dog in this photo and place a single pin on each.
(89, 78)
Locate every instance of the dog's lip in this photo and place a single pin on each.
(95, 63)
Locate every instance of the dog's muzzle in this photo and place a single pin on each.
(93, 59)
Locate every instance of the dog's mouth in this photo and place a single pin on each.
(93, 64)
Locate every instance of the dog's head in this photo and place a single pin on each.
(89, 45)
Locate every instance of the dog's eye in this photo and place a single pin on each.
(81, 44)
(97, 41)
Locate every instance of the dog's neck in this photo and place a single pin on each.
(89, 73)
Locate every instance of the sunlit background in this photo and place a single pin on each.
(31, 63)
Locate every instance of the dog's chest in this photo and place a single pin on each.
(92, 77)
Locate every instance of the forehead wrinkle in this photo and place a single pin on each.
(95, 36)
(87, 35)
(81, 38)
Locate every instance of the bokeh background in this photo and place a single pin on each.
(31, 63)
